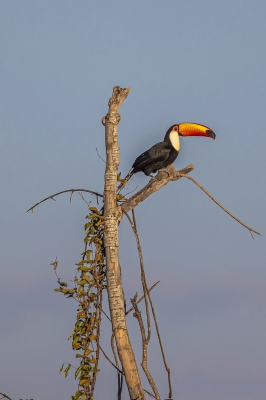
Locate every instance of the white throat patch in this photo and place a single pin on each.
(175, 140)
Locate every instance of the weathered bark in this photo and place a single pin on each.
(156, 183)
(112, 217)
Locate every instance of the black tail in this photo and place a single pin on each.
(125, 180)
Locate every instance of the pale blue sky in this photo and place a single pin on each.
(201, 61)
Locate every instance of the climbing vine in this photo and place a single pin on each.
(89, 283)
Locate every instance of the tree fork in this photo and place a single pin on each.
(112, 217)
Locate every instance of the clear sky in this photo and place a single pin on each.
(200, 61)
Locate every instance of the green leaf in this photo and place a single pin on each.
(82, 282)
(86, 277)
(78, 371)
(76, 346)
(92, 360)
(79, 355)
(84, 268)
(86, 367)
(81, 263)
(72, 291)
(58, 289)
(62, 283)
(61, 369)
(77, 395)
(92, 216)
(87, 352)
(67, 370)
(75, 340)
(94, 209)
(87, 225)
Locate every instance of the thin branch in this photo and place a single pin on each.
(132, 191)
(65, 191)
(145, 340)
(83, 198)
(142, 297)
(143, 277)
(113, 348)
(107, 358)
(119, 376)
(100, 156)
(145, 343)
(153, 311)
(107, 316)
(5, 396)
(220, 205)
(149, 393)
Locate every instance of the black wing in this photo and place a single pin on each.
(157, 153)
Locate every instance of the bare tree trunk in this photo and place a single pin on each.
(112, 217)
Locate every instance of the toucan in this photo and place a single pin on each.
(162, 154)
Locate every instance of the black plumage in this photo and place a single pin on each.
(157, 157)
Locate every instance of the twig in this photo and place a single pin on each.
(107, 316)
(153, 311)
(100, 156)
(5, 396)
(107, 358)
(145, 343)
(149, 393)
(119, 376)
(113, 348)
(145, 340)
(132, 191)
(142, 297)
(83, 198)
(65, 191)
(143, 277)
(134, 227)
(220, 205)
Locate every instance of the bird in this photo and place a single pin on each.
(162, 154)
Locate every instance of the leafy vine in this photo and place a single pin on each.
(89, 282)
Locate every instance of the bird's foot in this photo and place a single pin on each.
(154, 177)
(165, 170)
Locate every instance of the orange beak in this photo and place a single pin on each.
(191, 129)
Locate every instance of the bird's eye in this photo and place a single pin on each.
(175, 128)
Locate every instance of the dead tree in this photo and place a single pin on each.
(112, 217)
